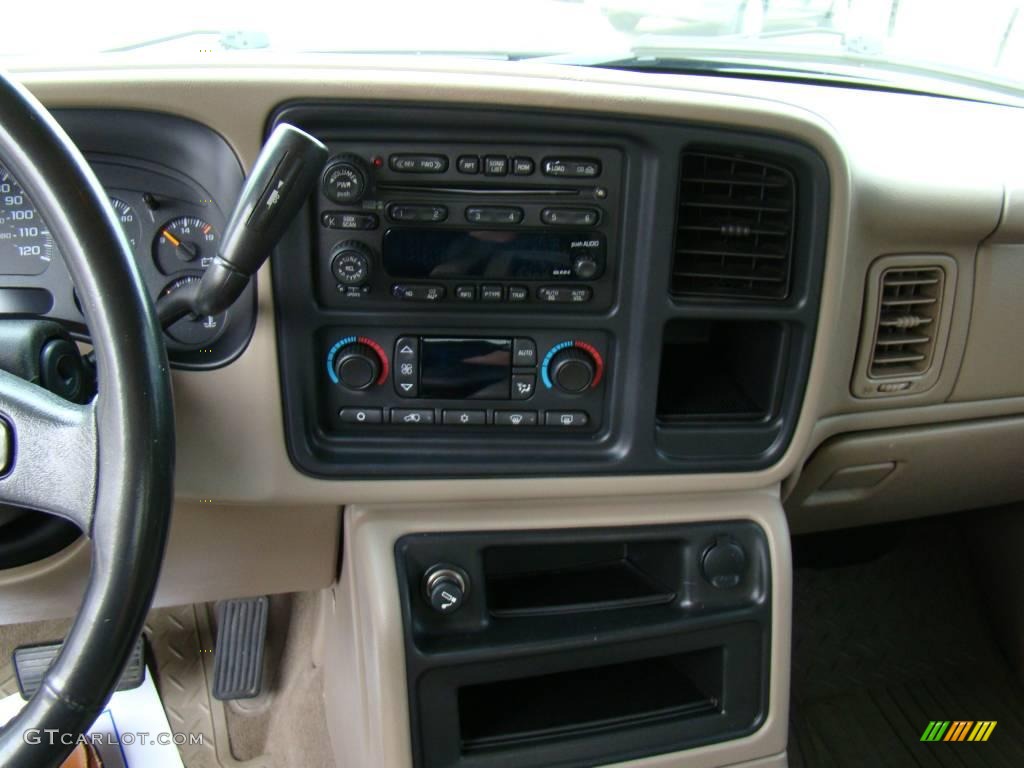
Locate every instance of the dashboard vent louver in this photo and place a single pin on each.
(734, 228)
(909, 306)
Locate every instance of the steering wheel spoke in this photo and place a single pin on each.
(48, 452)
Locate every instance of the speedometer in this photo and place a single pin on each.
(26, 245)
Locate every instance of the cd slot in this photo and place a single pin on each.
(441, 189)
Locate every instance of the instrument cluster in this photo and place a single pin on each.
(172, 222)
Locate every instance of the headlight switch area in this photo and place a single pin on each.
(583, 647)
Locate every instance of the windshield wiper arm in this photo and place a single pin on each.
(231, 40)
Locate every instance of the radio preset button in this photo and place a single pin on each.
(566, 419)
(417, 213)
(412, 416)
(515, 418)
(418, 163)
(491, 214)
(571, 167)
(518, 293)
(339, 220)
(468, 164)
(522, 166)
(569, 217)
(464, 418)
(580, 294)
(406, 366)
(417, 292)
(465, 292)
(492, 292)
(361, 415)
(523, 386)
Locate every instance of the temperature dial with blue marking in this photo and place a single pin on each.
(357, 363)
(573, 367)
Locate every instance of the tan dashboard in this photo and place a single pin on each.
(909, 175)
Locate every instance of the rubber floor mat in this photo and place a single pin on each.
(882, 648)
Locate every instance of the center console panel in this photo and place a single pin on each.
(481, 293)
(585, 647)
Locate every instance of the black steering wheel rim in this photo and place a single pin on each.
(122, 444)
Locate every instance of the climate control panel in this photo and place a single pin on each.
(528, 380)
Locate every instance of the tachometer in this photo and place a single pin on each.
(26, 245)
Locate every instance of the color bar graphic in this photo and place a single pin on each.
(958, 730)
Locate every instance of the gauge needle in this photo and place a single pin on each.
(189, 249)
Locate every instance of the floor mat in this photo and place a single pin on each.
(181, 641)
(884, 647)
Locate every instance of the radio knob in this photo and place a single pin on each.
(573, 370)
(345, 180)
(350, 263)
(585, 267)
(358, 366)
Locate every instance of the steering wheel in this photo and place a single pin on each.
(107, 466)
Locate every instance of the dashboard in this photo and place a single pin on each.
(532, 293)
(786, 367)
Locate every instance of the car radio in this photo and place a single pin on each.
(468, 225)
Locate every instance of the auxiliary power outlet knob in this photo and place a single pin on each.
(445, 587)
(724, 563)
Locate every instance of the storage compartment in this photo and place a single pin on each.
(583, 702)
(585, 647)
(720, 370)
(572, 578)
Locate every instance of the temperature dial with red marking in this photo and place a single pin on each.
(357, 363)
(573, 367)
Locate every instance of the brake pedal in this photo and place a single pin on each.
(238, 654)
(31, 663)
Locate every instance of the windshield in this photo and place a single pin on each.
(981, 41)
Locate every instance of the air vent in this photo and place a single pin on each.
(908, 313)
(734, 232)
(908, 310)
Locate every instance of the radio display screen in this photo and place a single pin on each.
(486, 254)
(465, 369)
